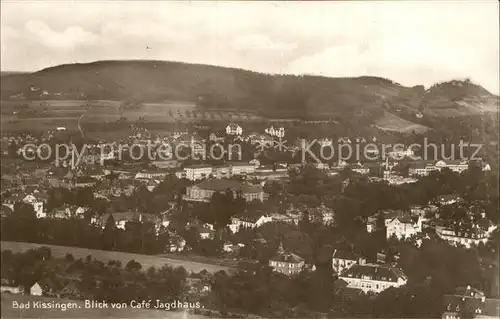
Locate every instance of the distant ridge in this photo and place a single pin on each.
(232, 88)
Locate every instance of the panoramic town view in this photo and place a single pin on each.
(250, 159)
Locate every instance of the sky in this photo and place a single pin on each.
(412, 43)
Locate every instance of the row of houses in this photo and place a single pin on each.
(424, 168)
(204, 171)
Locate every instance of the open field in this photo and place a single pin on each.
(391, 122)
(66, 112)
(103, 255)
(9, 312)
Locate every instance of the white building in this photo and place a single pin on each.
(196, 172)
(278, 132)
(234, 129)
(242, 168)
(248, 222)
(38, 205)
(373, 278)
(467, 233)
(403, 226)
(424, 168)
(400, 153)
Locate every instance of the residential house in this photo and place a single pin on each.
(401, 152)
(204, 191)
(35, 290)
(449, 199)
(259, 139)
(358, 168)
(120, 219)
(158, 175)
(322, 214)
(373, 278)
(177, 243)
(197, 172)
(166, 163)
(38, 201)
(68, 211)
(469, 302)
(229, 247)
(234, 129)
(466, 233)
(278, 132)
(403, 226)
(248, 222)
(286, 263)
(216, 137)
(345, 259)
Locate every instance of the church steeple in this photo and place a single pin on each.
(281, 250)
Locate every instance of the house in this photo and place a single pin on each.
(248, 222)
(278, 132)
(177, 243)
(358, 168)
(37, 201)
(216, 137)
(457, 166)
(449, 199)
(401, 152)
(466, 233)
(165, 163)
(204, 191)
(35, 290)
(234, 129)
(196, 172)
(373, 278)
(68, 211)
(241, 168)
(10, 288)
(470, 301)
(205, 232)
(322, 214)
(286, 263)
(120, 219)
(261, 140)
(345, 259)
(325, 142)
(229, 247)
(148, 174)
(403, 226)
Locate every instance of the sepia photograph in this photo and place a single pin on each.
(249, 159)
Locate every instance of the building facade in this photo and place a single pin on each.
(286, 263)
(204, 191)
(373, 278)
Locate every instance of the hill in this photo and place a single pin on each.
(227, 88)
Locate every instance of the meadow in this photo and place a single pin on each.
(145, 260)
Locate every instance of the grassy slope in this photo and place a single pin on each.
(145, 260)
